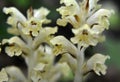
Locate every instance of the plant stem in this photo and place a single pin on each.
(80, 59)
(30, 65)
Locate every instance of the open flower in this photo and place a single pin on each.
(3, 75)
(62, 45)
(16, 16)
(13, 50)
(86, 36)
(30, 25)
(87, 12)
(15, 46)
(96, 63)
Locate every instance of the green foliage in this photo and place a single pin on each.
(20, 3)
(115, 21)
(113, 48)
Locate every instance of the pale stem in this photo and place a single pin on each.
(80, 59)
(31, 61)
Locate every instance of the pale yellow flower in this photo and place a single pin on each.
(14, 50)
(85, 36)
(87, 12)
(16, 16)
(99, 20)
(62, 45)
(15, 46)
(3, 75)
(42, 13)
(44, 36)
(30, 25)
(97, 63)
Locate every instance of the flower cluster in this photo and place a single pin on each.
(31, 41)
(37, 44)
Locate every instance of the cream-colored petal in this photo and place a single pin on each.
(85, 36)
(16, 40)
(41, 14)
(15, 74)
(62, 22)
(16, 16)
(68, 12)
(3, 75)
(32, 27)
(97, 63)
(92, 6)
(64, 45)
(44, 36)
(13, 22)
(13, 50)
(14, 13)
(99, 20)
(70, 61)
(39, 67)
(68, 2)
(15, 46)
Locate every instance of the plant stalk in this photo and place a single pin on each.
(80, 59)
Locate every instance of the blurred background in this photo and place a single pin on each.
(110, 47)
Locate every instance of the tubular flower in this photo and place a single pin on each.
(15, 46)
(13, 50)
(3, 75)
(86, 36)
(96, 63)
(62, 45)
(30, 25)
(87, 12)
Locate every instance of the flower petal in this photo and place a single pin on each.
(15, 46)
(16, 16)
(41, 14)
(3, 75)
(85, 36)
(14, 13)
(96, 63)
(99, 20)
(15, 74)
(44, 36)
(62, 45)
(39, 67)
